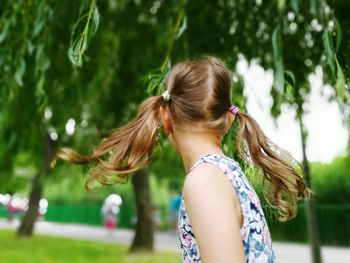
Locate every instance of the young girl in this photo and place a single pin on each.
(220, 217)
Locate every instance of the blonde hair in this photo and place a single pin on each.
(200, 93)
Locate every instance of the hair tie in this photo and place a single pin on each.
(233, 109)
(166, 95)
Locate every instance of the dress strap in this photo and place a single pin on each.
(215, 159)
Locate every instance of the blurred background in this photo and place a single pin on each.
(70, 71)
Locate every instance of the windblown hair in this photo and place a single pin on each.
(200, 95)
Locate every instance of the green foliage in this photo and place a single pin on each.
(331, 182)
(331, 234)
(83, 32)
(155, 79)
(130, 56)
(329, 48)
(340, 86)
(73, 178)
(302, 36)
(24, 169)
(164, 157)
(277, 53)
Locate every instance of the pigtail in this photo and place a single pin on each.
(126, 150)
(278, 166)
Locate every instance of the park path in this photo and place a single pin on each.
(285, 252)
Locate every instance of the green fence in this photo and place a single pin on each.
(91, 214)
(75, 213)
(84, 214)
(3, 212)
(333, 224)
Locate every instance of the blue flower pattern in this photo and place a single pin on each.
(254, 232)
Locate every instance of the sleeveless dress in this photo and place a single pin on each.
(254, 232)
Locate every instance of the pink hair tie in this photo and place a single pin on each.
(233, 109)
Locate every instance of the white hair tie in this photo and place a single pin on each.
(166, 95)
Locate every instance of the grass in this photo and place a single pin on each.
(40, 249)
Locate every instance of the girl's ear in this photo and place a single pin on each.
(230, 118)
(166, 120)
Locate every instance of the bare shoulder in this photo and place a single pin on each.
(214, 212)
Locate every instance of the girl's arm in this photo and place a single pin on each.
(215, 215)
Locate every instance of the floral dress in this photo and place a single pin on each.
(254, 232)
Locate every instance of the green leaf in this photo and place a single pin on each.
(277, 53)
(94, 24)
(315, 8)
(38, 26)
(340, 85)
(42, 62)
(83, 32)
(40, 85)
(30, 47)
(290, 77)
(288, 95)
(276, 43)
(4, 31)
(155, 79)
(281, 4)
(339, 34)
(182, 27)
(277, 102)
(41, 98)
(329, 50)
(20, 72)
(295, 6)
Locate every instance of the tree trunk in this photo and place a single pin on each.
(29, 218)
(144, 234)
(311, 203)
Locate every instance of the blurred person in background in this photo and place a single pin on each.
(175, 203)
(16, 206)
(110, 220)
(110, 211)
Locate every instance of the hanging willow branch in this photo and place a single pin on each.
(83, 32)
(155, 79)
(277, 54)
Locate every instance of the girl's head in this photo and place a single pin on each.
(200, 94)
(199, 99)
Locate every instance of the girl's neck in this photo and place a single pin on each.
(192, 145)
